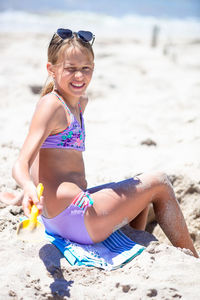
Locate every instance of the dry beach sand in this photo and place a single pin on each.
(143, 115)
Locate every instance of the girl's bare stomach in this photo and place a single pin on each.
(62, 173)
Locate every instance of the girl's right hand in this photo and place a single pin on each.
(30, 198)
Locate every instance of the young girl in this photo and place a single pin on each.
(52, 154)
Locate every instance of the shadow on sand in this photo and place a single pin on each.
(51, 257)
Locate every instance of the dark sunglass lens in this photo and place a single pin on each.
(86, 36)
(64, 33)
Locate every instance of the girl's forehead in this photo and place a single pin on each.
(75, 55)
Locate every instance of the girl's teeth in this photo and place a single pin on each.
(77, 85)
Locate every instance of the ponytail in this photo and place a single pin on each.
(47, 88)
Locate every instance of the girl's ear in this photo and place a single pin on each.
(50, 69)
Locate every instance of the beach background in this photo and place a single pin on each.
(143, 115)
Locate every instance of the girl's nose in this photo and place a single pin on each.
(78, 74)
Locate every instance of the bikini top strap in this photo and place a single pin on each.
(63, 102)
(79, 105)
(54, 93)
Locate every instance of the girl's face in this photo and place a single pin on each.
(73, 73)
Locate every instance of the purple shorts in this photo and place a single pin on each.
(70, 223)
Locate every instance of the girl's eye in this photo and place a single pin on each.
(70, 70)
(87, 69)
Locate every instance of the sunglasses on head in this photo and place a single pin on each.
(84, 36)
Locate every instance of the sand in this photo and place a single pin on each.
(143, 115)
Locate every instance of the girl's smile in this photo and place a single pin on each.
(77, 85)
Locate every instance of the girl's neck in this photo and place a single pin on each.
(72, 102)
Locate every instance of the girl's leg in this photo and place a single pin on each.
(140, 221)
(124, 201)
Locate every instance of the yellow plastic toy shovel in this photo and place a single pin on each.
(32, 229)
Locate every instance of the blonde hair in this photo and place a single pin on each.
(56, 47)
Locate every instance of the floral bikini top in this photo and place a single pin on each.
(73, 137)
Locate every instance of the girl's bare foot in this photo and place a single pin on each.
(11, 199)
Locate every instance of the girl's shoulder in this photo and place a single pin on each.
(48, 108)
(49, 102)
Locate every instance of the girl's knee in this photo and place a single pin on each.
(156, 179)
(163, 184)
(161, 178)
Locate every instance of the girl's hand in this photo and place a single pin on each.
(30, 198)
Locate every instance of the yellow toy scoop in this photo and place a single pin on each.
(32, 229)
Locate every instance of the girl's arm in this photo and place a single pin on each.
(42, 124)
